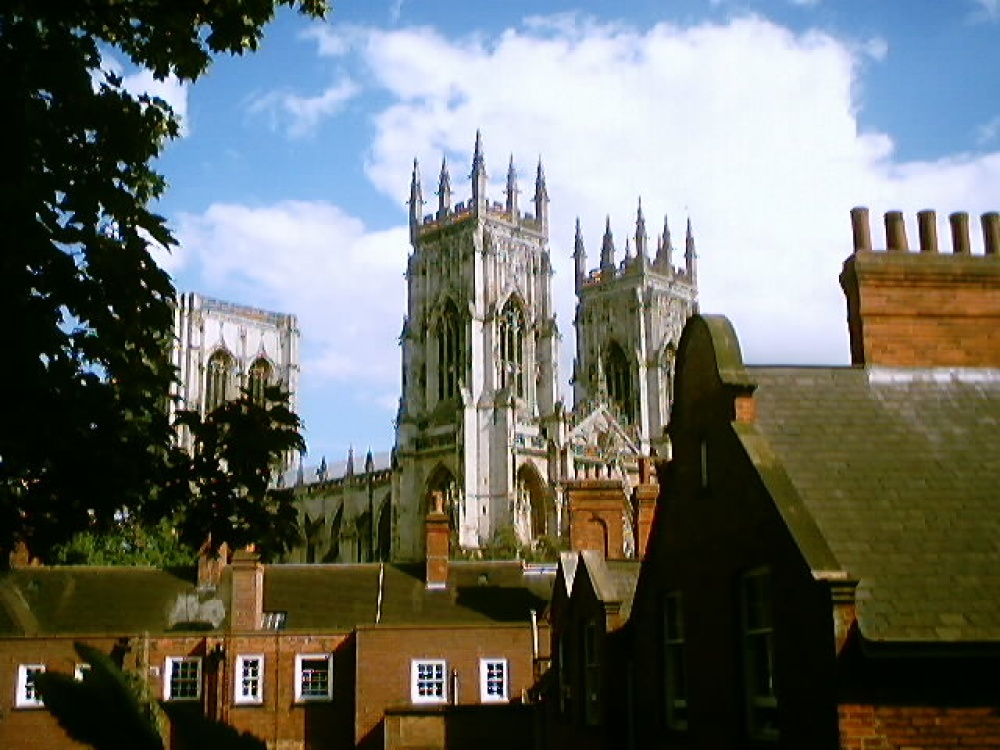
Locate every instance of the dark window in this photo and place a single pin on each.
(510, 329)
(675, 676)
(758, 654)
(619, 374)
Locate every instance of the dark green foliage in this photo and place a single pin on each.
(129, 542)
(237, 447)
(110, 710)
(104, 709)
(88, 311)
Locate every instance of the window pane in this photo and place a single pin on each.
(315, 675)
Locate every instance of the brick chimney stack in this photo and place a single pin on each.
(926, 308)
(248, 591)
(438, 543)
(644, 497)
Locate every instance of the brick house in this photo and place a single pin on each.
(303, 656)
(822, 571)
(589, 613)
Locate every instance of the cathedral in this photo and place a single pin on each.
(481, 421)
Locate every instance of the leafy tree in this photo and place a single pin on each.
(128, 542)
(88, 311)
(236, 449)
(109, 710)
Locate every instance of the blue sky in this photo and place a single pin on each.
(765, 121)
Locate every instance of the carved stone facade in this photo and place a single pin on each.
(629, 318)
(221, 347)
(480, 419)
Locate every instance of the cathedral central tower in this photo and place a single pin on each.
(479, 352)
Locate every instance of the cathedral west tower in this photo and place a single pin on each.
(479, 352)
(629, 318)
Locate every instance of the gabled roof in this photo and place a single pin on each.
(83, 600)
(613, 581)
(342, 597)
(900, 471)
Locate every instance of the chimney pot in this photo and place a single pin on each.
(895, 232)
(927, 221)
(991, 233)
(862, 229)
(960, 233)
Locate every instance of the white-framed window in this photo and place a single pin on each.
(80, 670)
(27, 695)
(182, 678)
(313, 677)
(429, 681)
(493, 687)
(249, 679)
(674, 667)
(758, 654)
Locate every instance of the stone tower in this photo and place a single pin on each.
(478, 364)
(629, 317)
(221, 347)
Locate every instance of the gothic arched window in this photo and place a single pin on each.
(510, 328)
(260, 377)
(619, 375)
(450, 352)
(219, 379)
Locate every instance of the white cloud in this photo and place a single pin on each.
(988, 132)
(299, 115)
(988, 9)
(749, 128)
(345, 283)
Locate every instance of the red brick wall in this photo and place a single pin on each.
(923, 310)
(867, 727)
(279, 719)
(595, 516)
(386, 655)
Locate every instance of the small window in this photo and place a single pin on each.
(182, 679)
(493, 680)
(80, 670)
(27, 691)
(313, 677)
(249, 679)
(427, 681)
(758, 655)
(675, 677)
(275, 620)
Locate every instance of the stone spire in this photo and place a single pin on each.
(608, 248)
(665, 249)
(512, 189)
(349, 471)
(641, 239)
(628, 250)
(416, 201)
(579, 257)
(444, 190)
(369, 462)
(690, 258)
(478, 176)
(541, 198)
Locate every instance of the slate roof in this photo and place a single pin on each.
(82, 600)
(341, 597)
(613, 580)
(78, 600)
(900, 471)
